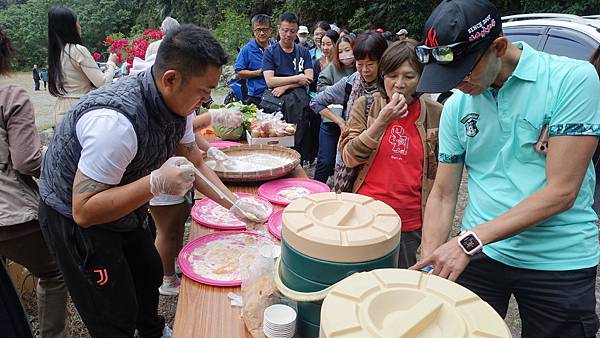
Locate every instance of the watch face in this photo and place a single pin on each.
(469, 242)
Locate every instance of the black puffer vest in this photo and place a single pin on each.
(158, 132)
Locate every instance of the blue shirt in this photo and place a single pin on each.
(285, 64)
(250, 57)
(494, 135)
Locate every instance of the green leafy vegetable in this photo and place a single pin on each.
(228, 134)
(233, 134)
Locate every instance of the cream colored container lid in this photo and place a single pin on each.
(345, 228)
(404, 303)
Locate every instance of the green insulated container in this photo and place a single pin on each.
(327, 237)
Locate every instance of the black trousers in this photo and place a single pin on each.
(409, 244)
(551, 303)
(113, 277)
(37, 84)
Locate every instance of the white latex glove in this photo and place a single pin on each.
(216, 154)
(174, 177)
(250, 211)
(229, 118)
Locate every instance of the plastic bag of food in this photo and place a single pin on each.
(258, 287)
(270, 125)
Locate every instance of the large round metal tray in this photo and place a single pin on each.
(260, 175)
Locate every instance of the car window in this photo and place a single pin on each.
(569, 43)
(531, 35)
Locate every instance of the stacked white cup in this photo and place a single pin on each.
(279, 321)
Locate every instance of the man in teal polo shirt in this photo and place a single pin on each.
(529, 227)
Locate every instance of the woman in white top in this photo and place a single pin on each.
(72, 71)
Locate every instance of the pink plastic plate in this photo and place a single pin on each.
(274, 224)
(211, 215)
(223, 144)
(213, 259)
(274, 190)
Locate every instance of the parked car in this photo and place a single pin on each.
(560, 34)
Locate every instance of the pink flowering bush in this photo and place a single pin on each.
(127, 48)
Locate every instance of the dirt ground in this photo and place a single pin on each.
(44, 102)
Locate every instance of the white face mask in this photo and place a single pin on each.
(347, 58)
(301, 39)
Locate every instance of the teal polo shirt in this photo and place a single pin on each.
(494, 134)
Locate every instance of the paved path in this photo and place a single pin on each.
(42, 100)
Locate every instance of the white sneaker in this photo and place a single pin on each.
(167, 332)
(170, 286)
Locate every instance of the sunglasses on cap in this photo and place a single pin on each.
(445, 54)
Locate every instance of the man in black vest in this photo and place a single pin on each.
(110, 155)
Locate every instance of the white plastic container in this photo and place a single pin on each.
(283, 141)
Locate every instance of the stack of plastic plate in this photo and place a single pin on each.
(279, 321)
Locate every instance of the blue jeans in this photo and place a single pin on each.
(329, 134)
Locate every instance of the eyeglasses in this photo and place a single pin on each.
(445, 54)
(262, 30)
(366, 66)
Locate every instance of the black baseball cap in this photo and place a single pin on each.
(452, 21)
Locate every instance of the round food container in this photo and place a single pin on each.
(404, 303)
(285, 161)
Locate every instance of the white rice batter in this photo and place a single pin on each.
(249, 163)
(293, 193)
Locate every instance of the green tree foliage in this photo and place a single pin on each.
(360, 21)
(6, 3)
(102, 17)
(206, 13)
(233, 32)
(571, 7)
(26, 25)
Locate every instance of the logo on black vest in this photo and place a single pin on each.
(470, 122)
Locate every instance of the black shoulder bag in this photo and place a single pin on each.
(270, 103)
